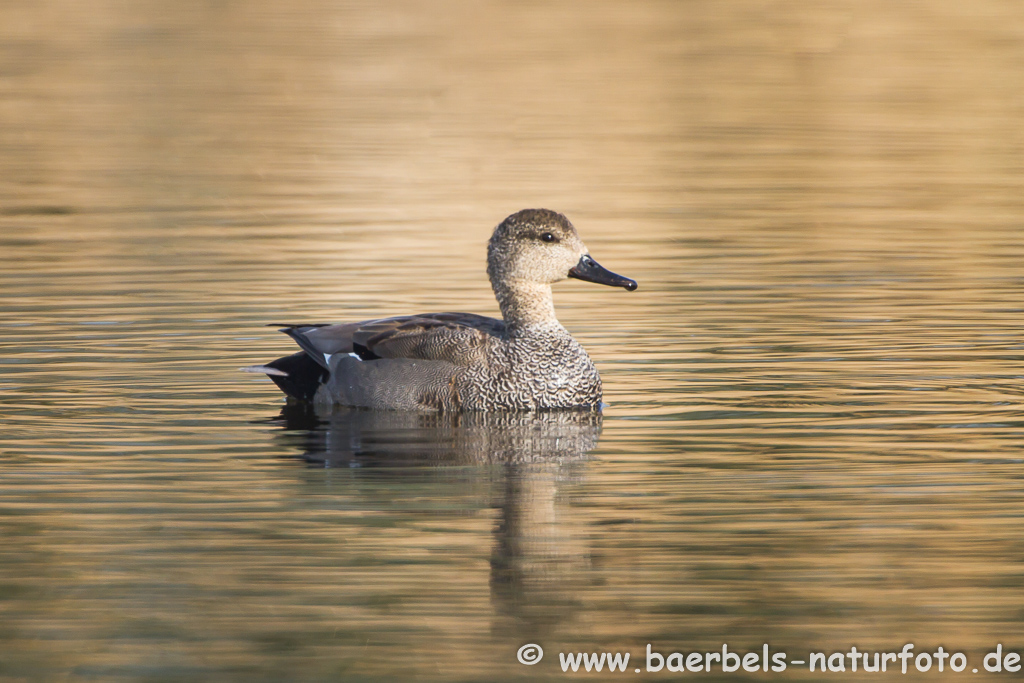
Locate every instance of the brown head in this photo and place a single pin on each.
(539, 246)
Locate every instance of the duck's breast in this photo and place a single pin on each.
(529, 374)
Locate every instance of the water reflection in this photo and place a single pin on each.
(343, 437)
(538, 557)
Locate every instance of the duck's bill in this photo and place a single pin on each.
(590, 270)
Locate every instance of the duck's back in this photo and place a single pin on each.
(405, 364)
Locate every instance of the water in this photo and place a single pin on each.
(813, 437)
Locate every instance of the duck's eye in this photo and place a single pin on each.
(548, 237)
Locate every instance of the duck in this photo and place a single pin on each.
(463, 362)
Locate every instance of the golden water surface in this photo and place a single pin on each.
(815, 426)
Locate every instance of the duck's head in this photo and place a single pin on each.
(542, 246)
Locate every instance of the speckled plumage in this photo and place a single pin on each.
(462, 361)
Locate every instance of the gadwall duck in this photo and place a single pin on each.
(463, 361)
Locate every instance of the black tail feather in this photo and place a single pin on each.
(305, 375)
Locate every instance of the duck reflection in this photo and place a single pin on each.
(538, 556)
(350, 437)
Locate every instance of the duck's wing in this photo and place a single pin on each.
(452, 337)
(457, 338)
(320, 342)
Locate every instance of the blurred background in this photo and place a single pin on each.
(814, 429)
